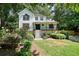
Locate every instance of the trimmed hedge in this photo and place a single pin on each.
(58, 36)
(65, 33)
(46, 34)
(54, 34)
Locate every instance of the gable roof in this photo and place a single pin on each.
(33, 13)
(25, 10)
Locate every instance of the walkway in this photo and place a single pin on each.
(37, 33)
(36, 50)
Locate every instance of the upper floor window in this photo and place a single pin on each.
(25, 17)
(36, 18)
(41, 18)
(47, 18)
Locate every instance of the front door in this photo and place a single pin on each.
(37, 26)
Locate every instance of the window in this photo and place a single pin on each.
(36, 18)
(25, 17)
(41, 18)
(25, 25)
(51, 26)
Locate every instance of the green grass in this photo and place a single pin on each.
(59, 47)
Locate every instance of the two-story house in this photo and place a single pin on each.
(35, 21)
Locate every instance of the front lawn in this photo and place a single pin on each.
(59, 47)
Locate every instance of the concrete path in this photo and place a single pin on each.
(37, 33)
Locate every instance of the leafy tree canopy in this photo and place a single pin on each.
(8, 11)
(67, 15)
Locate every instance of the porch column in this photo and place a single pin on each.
(46, 26)
(55, 26)
(30, 26)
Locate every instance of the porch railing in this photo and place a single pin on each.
(44, 28)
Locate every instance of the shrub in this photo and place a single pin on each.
(25, 34)
(58, 36)
(22, 33)
(3, 31)
(25, 51)
(55, 34)
(10, 41)
(46, 34)
(29, 36)
(0, 34)
(27, 45)
(65, 33)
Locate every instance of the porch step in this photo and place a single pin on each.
(38, 39)
(37, 33)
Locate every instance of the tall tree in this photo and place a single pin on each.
(67, 15)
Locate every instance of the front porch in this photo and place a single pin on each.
(44, 26)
